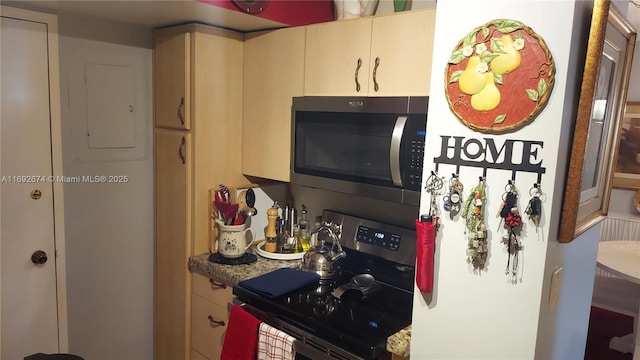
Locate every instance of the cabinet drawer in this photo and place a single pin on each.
(213, 290)
(207, 336)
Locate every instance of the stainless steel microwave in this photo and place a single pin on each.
(365, 146)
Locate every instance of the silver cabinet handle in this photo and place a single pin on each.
(375, 70)
(217, 284)
(394, 153)
(359, 64)
(215, 322)
(181, 150)
(180, 109)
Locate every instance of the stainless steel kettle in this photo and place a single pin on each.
(322, 259)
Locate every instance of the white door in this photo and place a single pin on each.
(28, 303)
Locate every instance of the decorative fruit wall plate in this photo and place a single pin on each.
(499, 77)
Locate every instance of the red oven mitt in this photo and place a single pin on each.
(425, 249)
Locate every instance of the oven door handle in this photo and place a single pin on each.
(394, 152)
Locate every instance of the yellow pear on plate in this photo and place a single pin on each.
(509, 60)
(489, 97)
(471, 80)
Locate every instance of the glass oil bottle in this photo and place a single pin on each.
(303, 232)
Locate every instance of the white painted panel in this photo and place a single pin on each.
(91, 104)
(110, 91)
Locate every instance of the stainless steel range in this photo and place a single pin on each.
(352, 315)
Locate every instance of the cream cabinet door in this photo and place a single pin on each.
(173, 243)
(208, 327)
(273, 75)
(337, 58)
(212, 289)
(402, 47)
(172, 71)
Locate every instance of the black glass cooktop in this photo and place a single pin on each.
(358, 325)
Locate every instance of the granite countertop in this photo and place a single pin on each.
(232, 274)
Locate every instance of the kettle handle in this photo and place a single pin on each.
(326, 226)
(335, 242)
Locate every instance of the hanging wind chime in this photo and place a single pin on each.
(432, 186)
(534, 209)
(452, 201)
(513, 223)
(473, 212)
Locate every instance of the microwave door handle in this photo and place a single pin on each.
(394, 153)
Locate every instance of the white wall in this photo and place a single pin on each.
(109, 227)
(485, 315)
(562, 330)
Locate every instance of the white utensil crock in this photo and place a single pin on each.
(234, 240)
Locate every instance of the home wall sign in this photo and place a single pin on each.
(499, 77)
(512, 155)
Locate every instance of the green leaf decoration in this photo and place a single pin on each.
(497, 78)
(507, 26)
(497, 46)
(487, 56)
(485, 32)
(532, 94)
(455, 76)
(500, 119)
(456, 57)
(542, 87)
(470, 39)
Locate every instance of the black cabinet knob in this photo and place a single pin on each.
(39, 257)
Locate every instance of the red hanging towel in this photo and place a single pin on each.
(425, 250)
(241, 340)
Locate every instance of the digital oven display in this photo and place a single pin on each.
(379, 238)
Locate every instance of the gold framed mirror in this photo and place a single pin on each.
(597, 129)
(627, 169)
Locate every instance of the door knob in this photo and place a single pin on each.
(39, 257)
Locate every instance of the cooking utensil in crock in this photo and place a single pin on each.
(246, 210)
(222, 207)
(322, 259)
(250, 198)
(249, 211)
(230, 214)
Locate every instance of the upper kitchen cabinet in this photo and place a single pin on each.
(171, 61)
(273, 74)
(337, 58)
(197, 78)
(402, 47)
(386, 55)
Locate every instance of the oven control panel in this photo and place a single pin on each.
(388, 241)
(380, 238)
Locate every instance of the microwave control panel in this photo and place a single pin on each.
(413, 152)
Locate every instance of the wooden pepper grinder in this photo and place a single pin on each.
(271, 242)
